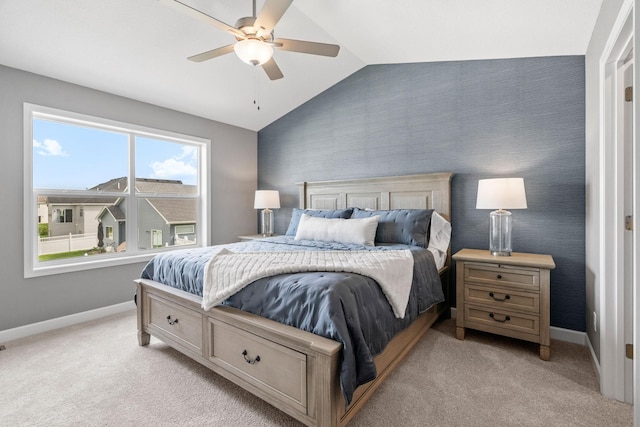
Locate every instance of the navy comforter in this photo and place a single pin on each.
(345, 307)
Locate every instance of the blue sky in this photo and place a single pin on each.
(76, 158)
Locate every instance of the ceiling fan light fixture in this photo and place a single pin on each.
(253, 51)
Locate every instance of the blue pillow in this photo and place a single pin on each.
(322, 213)
(406, 226)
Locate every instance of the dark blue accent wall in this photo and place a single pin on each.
(477, 119)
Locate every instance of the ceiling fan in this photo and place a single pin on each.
(254, 35)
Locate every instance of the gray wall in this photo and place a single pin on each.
(478, 119)
(233, 181)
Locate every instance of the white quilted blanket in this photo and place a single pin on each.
(228, 272)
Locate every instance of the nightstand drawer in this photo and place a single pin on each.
(502, 298)
(494, 274)
(501, 319)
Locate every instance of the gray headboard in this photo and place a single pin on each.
(424, 191)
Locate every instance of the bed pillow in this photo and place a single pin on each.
(439, 238)
(322, 213)
(406, 226)
(351, 231)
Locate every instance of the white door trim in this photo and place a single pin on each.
(636, 236)
(611, 284)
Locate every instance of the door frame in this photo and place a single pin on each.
(611, 204)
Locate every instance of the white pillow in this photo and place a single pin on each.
(439, 238)
(359, 231)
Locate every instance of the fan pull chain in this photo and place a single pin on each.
(256, 88)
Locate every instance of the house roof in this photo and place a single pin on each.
(175, 211)
(172, 210)
(164, 186)
(116, 213)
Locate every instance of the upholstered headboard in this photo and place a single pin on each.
(424, 191)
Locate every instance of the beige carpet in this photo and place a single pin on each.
(95, 374)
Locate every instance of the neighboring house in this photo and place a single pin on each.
(78, 215)
(73, 215)
(161, 221)
(43, 210)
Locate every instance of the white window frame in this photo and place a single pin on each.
(35, 268)
(185, 229)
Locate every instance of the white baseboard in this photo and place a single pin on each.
(568, 335)
(594, 359)
(561, 334)
(61, 322)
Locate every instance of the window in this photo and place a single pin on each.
(185, 229)
(128, 208)
(63, 215)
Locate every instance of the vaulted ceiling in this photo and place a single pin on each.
(138, 48)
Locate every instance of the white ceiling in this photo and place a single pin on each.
(138, 48)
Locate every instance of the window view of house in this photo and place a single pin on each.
(84, 198)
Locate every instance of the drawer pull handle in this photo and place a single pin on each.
(499, 276)
(171, 322)
(506, 297)
(506, 318)
(250, 361)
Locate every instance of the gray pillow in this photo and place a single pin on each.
(406, 226)
(322, 213)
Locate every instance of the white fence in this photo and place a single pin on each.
(72, 242)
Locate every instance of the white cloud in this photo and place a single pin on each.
(49, 147)
(190, 152)
(172, 168)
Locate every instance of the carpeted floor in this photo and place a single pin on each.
(95, 374)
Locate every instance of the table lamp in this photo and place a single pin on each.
(501, 194)
(266, 200)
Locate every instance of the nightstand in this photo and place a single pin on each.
(249, 237)
(505, 295)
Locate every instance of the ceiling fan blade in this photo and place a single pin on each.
(270, 14)
(210, 54)
(312, 48)
(273, 71)
(195, 13)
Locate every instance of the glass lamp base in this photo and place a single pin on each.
(500, 233)
(266, 222)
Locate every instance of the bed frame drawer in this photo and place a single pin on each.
(177, 323)
(276, 369)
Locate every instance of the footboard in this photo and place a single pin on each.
(293, 370)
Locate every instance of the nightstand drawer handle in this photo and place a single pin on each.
(506, 297)
(499, 276)
(248, 360)
(171, 322)
(506, 318)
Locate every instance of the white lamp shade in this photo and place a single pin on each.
(267, 199)
(253, 51)
(501, 193)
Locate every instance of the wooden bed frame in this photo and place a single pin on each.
(293, 370)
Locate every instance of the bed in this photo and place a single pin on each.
(299, 372)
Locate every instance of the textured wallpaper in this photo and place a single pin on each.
(477, 119)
